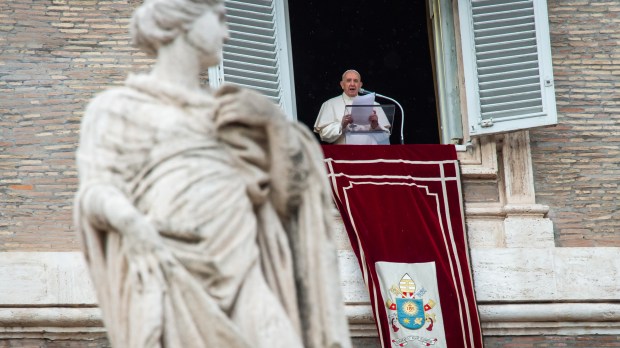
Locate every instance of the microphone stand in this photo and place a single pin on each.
(402, 112)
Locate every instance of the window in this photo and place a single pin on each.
(507, 65)
(506, 61)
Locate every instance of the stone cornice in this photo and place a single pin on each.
(570, 318)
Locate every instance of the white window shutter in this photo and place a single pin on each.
(507, 65)
(257, 56)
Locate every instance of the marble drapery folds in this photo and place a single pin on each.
(243, 255)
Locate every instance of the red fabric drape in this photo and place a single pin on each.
(403, 212)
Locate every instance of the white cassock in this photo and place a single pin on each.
(329, 124)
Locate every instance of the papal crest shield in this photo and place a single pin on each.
(410, 313)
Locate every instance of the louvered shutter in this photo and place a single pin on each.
(507, 65)
(256, 55)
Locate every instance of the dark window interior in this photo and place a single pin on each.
(385, 40)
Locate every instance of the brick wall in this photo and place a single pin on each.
(54, 55)
(577, 163)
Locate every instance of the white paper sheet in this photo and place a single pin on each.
(363, 106)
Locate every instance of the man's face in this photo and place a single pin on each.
(351, 84)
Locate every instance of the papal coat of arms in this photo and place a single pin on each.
(410, 309)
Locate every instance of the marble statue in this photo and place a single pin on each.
(204, 216)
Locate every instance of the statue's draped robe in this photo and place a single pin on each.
(241, 205)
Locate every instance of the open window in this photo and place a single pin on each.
(497, 50)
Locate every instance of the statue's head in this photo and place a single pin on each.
(158, 22)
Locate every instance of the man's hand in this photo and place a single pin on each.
(346, 120)
(374, 120)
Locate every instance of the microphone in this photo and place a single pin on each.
(402, 112)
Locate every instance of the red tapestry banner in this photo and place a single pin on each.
(403, 211)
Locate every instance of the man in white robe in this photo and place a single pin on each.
(335, 120)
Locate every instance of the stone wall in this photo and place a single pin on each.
(489, 342)
(577, 162)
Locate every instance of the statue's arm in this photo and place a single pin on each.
(105, 207)
(101, 203)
